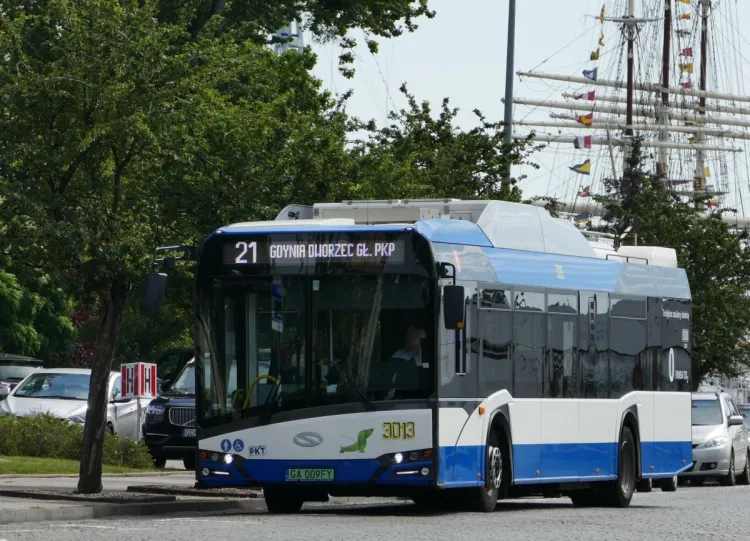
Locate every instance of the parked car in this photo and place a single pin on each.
(745, 411)
(169, 425)
(169, 365)
(64, 392)
(13, 369)
(720, 441)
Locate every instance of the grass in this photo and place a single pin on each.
(34, 465)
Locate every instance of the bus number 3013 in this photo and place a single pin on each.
(398, 431)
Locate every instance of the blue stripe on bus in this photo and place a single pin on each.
(566, 462)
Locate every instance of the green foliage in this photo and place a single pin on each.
(46, 436)
(34, 316)
(421, 156)
(326, 19)
(716, 260)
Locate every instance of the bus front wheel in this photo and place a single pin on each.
(486, 497)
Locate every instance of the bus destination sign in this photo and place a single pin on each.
(265, 252)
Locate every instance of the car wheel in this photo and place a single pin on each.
(744, 478)
(669, 485)
(159, 461)
(644, 485)
(729, 480)
(189, 462)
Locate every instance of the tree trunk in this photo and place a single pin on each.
(112, 305)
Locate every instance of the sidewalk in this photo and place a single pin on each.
(31, 509)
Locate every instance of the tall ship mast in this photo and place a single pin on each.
(666, 71)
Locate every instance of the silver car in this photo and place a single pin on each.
(64, 392)
(720, 441)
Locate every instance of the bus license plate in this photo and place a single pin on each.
(310, 474)
(188, 432)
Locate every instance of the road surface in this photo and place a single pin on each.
(690, 513)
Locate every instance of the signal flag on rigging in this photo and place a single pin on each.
(582, 142)
(586, 120)
(590, 96)
(582, 168)
(591, 74)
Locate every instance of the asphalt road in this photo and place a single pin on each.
(700, 513)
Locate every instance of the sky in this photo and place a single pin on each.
(461, 54)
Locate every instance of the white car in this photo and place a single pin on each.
(64, 392)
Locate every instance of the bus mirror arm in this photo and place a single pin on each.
(155, 284)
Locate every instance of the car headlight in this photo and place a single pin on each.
(79, 419)
(154, 410)
(714, 442)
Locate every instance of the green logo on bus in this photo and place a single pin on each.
(360, 445)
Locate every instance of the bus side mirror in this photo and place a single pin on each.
(152, 296)
(453, 307)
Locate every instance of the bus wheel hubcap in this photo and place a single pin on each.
(496, 467)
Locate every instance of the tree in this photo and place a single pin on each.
(33, 315)
(421, 156)
(716, 260)
(325, 19)
(121, 131)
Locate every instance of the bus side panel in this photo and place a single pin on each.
(646, 418)
(560, 454)
(462, 446)
(526, 433)
(597, 421)
(673, 447)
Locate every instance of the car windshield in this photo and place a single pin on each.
(16, 371)
(706, 412)
(185, 382)
(52, 385)
(745, 411)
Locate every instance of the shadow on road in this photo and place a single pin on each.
(407, 509)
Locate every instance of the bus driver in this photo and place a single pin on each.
(412, 350)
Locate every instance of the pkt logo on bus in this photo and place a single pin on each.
(256, 450)
(307, 439)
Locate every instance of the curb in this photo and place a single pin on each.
(75, 475)
(188, 491)
(140, 509)
(72, 497)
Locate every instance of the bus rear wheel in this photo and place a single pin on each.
(619, 492)
(281, 501)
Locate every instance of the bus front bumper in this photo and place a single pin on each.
(410, 468)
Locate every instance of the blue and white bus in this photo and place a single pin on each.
(442, 350)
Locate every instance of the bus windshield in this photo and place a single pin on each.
(325, 340)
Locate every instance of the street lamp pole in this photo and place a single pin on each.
(509, 81)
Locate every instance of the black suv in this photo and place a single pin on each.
(169, 424)
(170, 364)
(13, 370)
